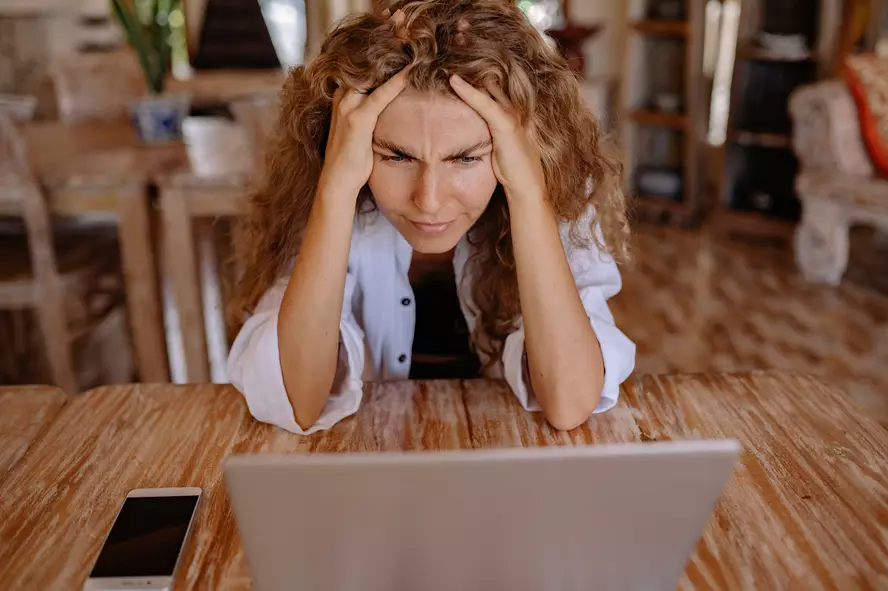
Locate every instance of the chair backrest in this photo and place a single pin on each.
(21, 196)
(258, 115)
(13, 151)
(96, 86)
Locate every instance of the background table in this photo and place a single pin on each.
(25, 412)
(806, 508)
(99, 168)
(211, 88)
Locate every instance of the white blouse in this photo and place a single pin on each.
(377, 324)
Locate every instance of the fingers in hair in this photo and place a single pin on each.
(349, 99)
(380, 98)
(480, 101)
(499, 96)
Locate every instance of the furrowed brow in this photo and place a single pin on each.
(465, 152)
(394, 148)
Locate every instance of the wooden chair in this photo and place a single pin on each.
(91, 86)
(195, 254)
(69, 283)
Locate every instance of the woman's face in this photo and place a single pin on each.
(432, 174)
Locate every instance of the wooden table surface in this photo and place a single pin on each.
(25, 413)
(96, 152)
(806, 507)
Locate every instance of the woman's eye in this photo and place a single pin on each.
(469, 159)
(394, 158)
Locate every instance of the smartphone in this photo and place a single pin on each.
(144, 546)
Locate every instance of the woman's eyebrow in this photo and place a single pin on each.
(393, 148)
(464, 152)
(456, 155)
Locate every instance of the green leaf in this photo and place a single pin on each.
(149, 38)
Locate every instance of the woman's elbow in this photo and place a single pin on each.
(305, 421)
(568, 415)
(564, 421)
(308, 405)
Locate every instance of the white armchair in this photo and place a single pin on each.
(837, 183)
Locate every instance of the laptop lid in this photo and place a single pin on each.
(611, 517)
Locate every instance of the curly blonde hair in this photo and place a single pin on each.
(485, 42)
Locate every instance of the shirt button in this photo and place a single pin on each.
(402, 358)
(405, 302)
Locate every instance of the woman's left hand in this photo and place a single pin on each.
(516, 154)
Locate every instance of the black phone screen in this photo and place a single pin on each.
(146, 538)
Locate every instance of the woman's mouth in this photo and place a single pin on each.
(431, 228)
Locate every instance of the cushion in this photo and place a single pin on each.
(867, 77)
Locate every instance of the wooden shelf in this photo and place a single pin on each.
(659, 119)
(757, 53)
(662, 27)
(762, 162)
(761, 140)
(661, 54)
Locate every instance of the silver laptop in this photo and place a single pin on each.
(604, 517)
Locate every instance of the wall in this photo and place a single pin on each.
(29, 42)
(604, 53)
(35, 33)
(20, 7)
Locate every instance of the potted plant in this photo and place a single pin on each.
(146, 26)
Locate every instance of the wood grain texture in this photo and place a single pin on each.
(805, 508)
(25, 413)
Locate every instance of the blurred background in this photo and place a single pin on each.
(754, 135)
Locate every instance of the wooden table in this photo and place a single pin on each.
(25, 413)
(806, 508)
(209, 88)
(99, 168)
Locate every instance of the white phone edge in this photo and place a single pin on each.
(147, 583)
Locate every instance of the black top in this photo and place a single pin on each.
(441, 340)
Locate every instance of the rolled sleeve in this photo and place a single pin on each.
(254, 368)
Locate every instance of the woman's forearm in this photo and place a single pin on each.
(308, 323)
(563, 354)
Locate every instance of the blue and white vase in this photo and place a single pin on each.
(158, 119)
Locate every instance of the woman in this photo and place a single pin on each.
(437, 205)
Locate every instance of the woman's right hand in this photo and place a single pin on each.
(348, 160)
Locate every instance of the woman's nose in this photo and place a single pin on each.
(427, 196)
